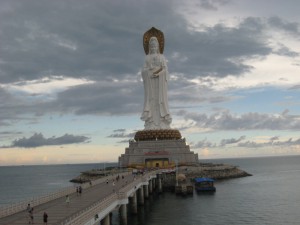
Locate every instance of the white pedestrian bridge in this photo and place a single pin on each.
(93, 206)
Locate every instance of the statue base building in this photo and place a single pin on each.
(157, 148)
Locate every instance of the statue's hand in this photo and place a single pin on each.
(156, 73)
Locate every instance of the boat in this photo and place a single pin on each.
(204, 184)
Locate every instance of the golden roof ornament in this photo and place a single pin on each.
(153, 32)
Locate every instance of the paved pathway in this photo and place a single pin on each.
(58, 209)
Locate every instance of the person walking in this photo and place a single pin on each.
(45, 218)
(67, 200)
(80, 190)
(28, 209)
(30, 215)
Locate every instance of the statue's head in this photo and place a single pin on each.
(153, 46)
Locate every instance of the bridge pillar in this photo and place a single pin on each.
(133, 204)
(123, 214)
(106, 220)
(146, 191)
(141, 195)
(150, 186)
(159, 185)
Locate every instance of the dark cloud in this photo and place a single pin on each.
(224, 142)
(204, 144)
(238, 142)
(100, 40)
(186, 92)
(291, 27)
(14, 108)
(208, 144)
(212, 4)
(38, 140)
(275, 138)
(253, 144)
(119, 130)
(248, 121)
(96, 40)
(284, 51)
(121, 133)
(295, 87)
(114, 98)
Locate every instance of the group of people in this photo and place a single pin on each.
(113, 181)
(29, 210)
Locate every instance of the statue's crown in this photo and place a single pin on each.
(159, 35)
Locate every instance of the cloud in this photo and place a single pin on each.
(291, 27)
(119, 130)
(90, 43)
(107, 49)
(93, 44)
(101, 42)
(13, 108)
(224, 142)
(212, 5)
(204, 144)
(248, 121)
(114, 98)
(272, 143)
(238, 142)
(121, 133)
(285, 51)
(38, 140)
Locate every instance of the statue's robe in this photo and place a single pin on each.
(156, 109)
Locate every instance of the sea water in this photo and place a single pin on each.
(18, 183)
(270, 196)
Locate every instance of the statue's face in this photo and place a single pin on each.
(153, 49)
(153, 46)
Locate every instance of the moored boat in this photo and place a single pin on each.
(204, 184)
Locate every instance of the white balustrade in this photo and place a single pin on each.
(34, 201)
(88, 213)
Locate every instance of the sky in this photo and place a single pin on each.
(71, 88)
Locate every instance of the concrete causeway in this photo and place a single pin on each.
(59, 211)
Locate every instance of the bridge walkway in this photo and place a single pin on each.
(58, 210)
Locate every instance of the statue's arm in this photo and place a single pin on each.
(157, 71)
(162, 66)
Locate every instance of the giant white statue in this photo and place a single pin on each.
(155, 77)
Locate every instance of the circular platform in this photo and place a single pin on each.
(148, 135)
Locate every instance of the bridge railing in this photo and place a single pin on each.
(34, 201)
(88, 213)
